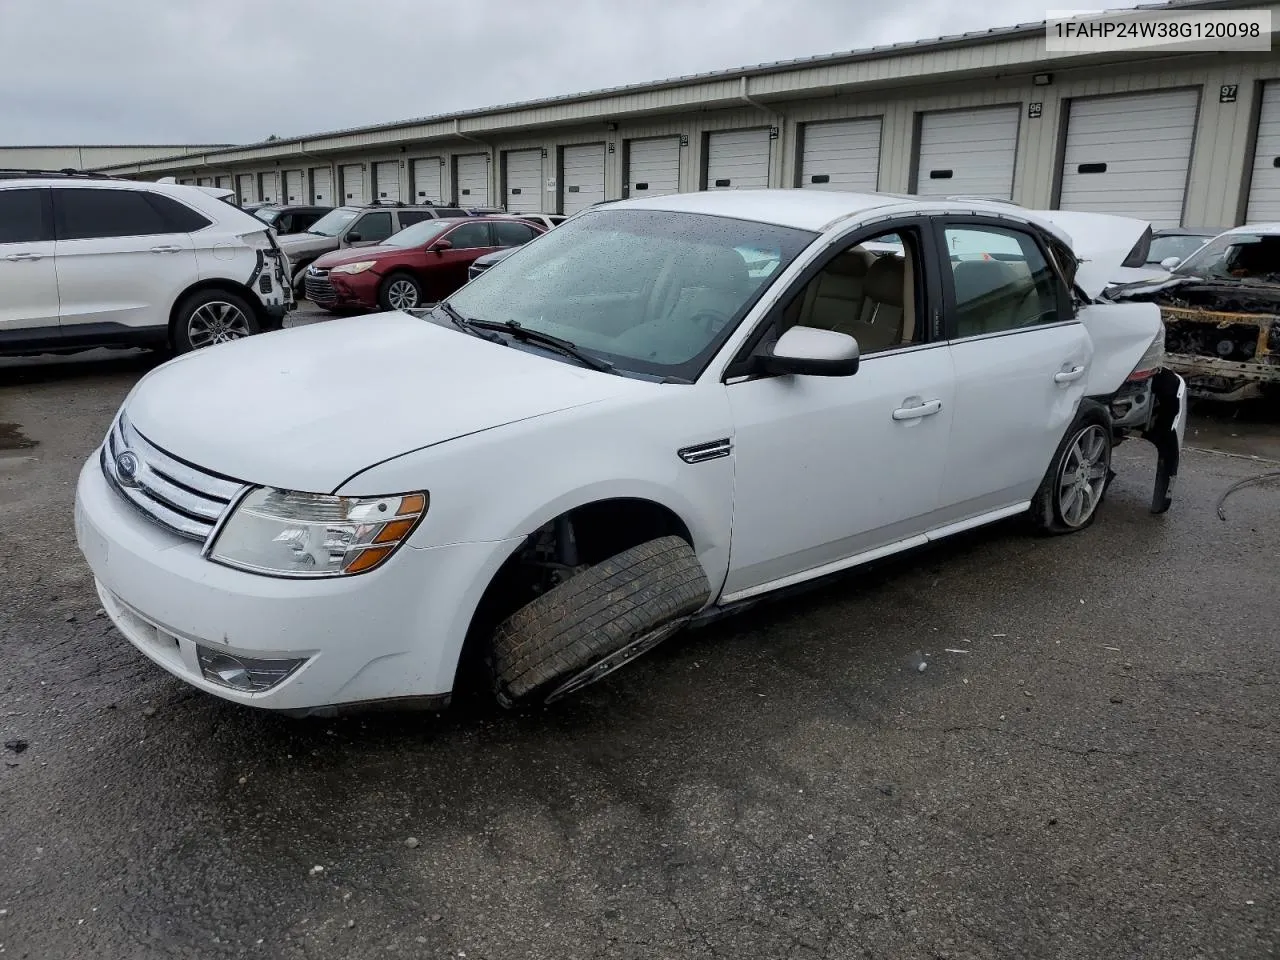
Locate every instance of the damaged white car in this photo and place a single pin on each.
(659, 412)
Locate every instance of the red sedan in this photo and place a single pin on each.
(422, 263)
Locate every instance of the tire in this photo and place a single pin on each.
(1066, 505)
(400, 291)
(594, 623)
(210, 317)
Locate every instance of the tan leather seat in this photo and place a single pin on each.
(833, 299)
(887, 303)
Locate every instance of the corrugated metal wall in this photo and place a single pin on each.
(1221, 159)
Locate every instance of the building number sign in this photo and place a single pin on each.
(1227, 93)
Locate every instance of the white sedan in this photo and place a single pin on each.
(658, 412)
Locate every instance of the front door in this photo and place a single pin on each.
(830, 471)
(28, 279)
(1021, 360)
(447, 269)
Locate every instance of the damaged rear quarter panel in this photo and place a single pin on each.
(1121, 333)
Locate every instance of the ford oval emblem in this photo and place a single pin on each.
(127, 466)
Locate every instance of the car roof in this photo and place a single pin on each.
(1264, 228)
(815, 210)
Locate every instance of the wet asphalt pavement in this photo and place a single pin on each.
(1094, 774)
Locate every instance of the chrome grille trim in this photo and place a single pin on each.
(184, 499)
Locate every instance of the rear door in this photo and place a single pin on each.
(28, 279)
(121, 263)
(1021, 358)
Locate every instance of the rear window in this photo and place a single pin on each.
(86, 213)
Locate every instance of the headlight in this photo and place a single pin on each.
(360, 267)
(314, 535)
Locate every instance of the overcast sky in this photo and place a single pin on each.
(237, 71)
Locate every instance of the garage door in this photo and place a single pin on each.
(223, 183)
(522, 177)
(352, 176)
(204, 181)
(294, 192)
(386, 180)
(322, 186)
(968, 152)
(188, 182)
(1129, 155)
(653, 167)
(738, 160)
(841, 156)
(270, 185)
(473, 180)
(1264, 187)
(426, 173)
(582, 171)
(244, 188)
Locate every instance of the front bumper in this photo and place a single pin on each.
(342, 290)
(391, 634)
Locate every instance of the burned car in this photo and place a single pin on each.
(1221, 310)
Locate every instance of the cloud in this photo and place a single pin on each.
(235, 71)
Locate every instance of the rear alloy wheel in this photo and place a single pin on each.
(400, 292)
(211, 317)
(1077, 479)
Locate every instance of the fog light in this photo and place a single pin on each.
(244, 673)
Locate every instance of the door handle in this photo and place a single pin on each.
(1066, 376)
(25, 256)
(166, 248)
(926, 409)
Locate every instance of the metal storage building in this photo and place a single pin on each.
(1176, 137)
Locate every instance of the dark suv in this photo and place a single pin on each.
(354, 225)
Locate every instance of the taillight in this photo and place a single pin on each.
(1151, 361)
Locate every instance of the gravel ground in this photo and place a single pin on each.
(1095, 775)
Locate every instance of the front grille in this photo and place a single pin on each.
(181, 498)
(319, 289)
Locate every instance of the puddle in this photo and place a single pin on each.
(12, 437)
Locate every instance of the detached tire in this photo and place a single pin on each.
(210, 317)
(1078, 476)
(594, 623)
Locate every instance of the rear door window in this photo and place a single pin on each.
(24, 216)
(179, 218)
(86, 214)
(408, 217)
(512, 234)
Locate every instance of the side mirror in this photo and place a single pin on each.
(1168, 263)
(353, 237)
(808, 351)
(440, 246)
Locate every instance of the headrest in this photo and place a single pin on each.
(852, 263)
(885, 280)
(717, 268)
(978, 278)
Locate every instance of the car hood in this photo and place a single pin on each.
(306, 242)
(356, 254)
(1103, 243)
(307, 408)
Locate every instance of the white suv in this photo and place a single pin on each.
(88, 261)
(658, 412)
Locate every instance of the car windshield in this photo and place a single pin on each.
(653, 292)
(1177, 245)
(418, 234)
(266, 215)
(332, 223)
(1235, 256)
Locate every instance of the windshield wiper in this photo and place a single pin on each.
(462, 323)
(517, 332)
